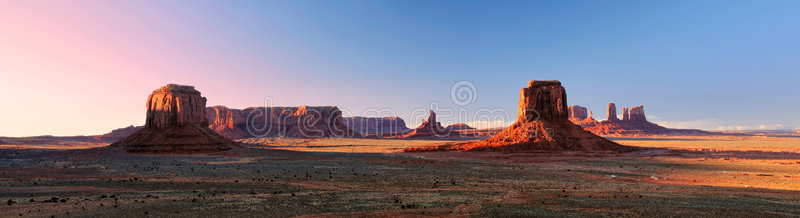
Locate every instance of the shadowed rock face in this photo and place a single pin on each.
(459, 126)
(637, 114)
(117, 134)
(612, 112)
(175, 123)
(542, 125)
(375, 125)
(577, 113)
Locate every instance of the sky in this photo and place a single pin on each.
(85, 67)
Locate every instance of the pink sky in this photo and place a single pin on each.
(87, 67)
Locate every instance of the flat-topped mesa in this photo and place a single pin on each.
(637, 114)
(375, 125)
(294, 122)
(612, 112)
(175, 105)
(542, 100)
(176, 122)
(577, 113)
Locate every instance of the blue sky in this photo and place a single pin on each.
(693, 64)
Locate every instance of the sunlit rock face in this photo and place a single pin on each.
(545, 100)
(175, 123)
(175, 105)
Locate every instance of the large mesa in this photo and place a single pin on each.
(294, 122)
(176, 123)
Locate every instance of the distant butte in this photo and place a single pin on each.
(542, 125)
(175, 123)
(633, 123)
(429, 128)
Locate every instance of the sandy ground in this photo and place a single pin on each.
(684, 176)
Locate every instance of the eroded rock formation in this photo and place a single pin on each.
(429, 128)
(542, 125)
(175, 123)
(295, 122)
(633, 123)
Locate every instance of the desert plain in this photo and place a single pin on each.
(279, 177)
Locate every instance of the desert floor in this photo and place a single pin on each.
(673, 176)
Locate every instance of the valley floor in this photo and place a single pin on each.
(674, 176)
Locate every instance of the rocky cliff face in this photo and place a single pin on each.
(296, 122)
(551, 132)
(175, 105)
(175, 123)
(545, 100)
(227, 122)
(375, 125)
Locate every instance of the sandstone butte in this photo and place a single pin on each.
(542, 125)
(633, 123)
(175, 123)
(295, 122)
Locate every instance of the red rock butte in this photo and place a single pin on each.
(542, 125)
(176, 123)
(428, 129)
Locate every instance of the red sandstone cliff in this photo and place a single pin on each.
(175, 123)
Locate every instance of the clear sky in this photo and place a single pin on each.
(87, 66)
